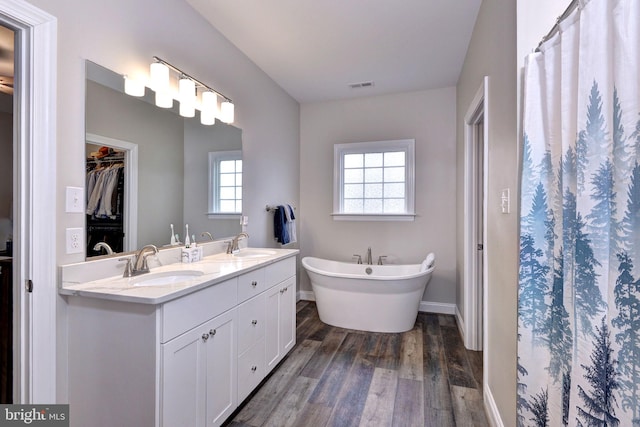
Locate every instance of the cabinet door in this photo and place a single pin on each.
(287, 320)
(272, 327)
(221, 369)
(280, 330)
(183, 381)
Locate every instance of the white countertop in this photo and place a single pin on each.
(214, 268)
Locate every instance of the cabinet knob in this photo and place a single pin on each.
(282, 290)
(205, 337)
(254, 322)
(254, 368)
(212, 332)
(254, 283)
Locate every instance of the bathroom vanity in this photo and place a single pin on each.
(182, 354)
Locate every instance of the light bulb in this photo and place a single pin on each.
(159, 76)
(227, 112)
(209, 108)
(164, 99)
(133, 87)
(187, 89)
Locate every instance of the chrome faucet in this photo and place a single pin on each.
(233, 243)
(207, 234)
(140, 265)
(369, 260)
(105, 246)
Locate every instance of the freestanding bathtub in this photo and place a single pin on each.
(375, 298)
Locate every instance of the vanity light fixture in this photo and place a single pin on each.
(133, 87)
(188, 93)
(226, 112)
(209, 108)
(187, 88)
(159, 74)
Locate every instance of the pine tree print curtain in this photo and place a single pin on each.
(579, 274)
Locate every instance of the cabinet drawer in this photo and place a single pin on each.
(178, 316)
(279, 271)
(251, 322)
(250, 284)
(250, 370)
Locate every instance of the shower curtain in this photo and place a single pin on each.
(579, 274)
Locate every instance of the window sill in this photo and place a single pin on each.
(373, 217)
(215, 215)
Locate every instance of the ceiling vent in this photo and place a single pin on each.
(361, 85)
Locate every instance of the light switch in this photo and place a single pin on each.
(505, 201)
(74, 200)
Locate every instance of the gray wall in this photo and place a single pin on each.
(492, 52)
(199, 140)
(426, 116)
(498, 50)
(123, 36)
(113, 35)
(159, 136)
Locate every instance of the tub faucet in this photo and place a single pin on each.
(140, 265)
(369, 260)
(105, 246)
(233, 243)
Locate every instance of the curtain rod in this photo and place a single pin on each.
(556, 27)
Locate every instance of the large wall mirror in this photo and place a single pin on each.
(156, 169)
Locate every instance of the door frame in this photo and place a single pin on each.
(130, 188)
(34, 208)
(474, 329)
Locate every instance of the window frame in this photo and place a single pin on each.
(215, 157)
(340, 150)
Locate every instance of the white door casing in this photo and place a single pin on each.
(34, 210)
(475, 214)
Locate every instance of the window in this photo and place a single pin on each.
(225, 183)
(374, 180)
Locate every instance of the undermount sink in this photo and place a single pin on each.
(254, 253)
(165, 278)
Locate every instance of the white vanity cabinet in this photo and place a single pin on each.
(189, 361)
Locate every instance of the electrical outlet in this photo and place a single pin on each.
(75, 241)
(74, 202)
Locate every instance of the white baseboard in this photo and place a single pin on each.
(460, 322)
(490, 408)
(437, 307)
(306, 296)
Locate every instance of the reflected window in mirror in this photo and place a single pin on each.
(225, 182)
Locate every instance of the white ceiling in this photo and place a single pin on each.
(314, 49)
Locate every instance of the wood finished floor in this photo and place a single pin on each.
(341, 377)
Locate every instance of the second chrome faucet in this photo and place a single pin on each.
(140, 265)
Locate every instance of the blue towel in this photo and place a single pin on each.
(280, 225)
